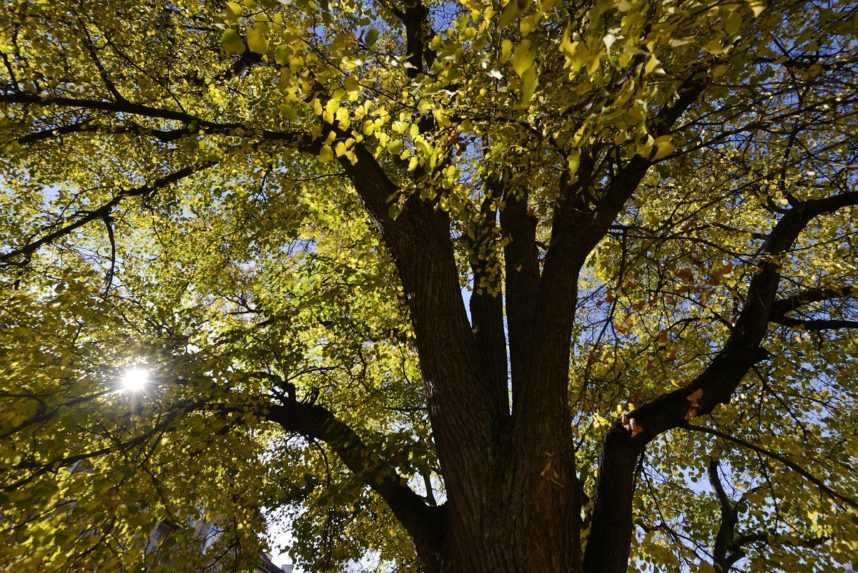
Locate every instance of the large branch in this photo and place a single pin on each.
(722, 555)
(423, 523)
(417, 33)
(419, 240)
(39, 467)
(23, 98)
(521, 262)
(794, 302)
(742, 350)
(486, 304)
(88, 126)
(464, 421)
(729, 542)
(541, 425)
(782, 306)
(577, 228)
(612, 524)
(816, 324)
(191, 124)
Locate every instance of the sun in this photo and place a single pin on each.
(134, 379)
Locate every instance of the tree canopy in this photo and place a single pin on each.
(464, 285)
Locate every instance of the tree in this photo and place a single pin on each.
(477, 286)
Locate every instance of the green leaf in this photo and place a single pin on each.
(232, 42)
(509, 14)
(281, 54)
(573, 161)
(733, 23)
(371, 37)
(233, 11)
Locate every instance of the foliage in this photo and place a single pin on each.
(245, 196)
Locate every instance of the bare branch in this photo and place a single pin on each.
(816, 324)
(109, 279)
(784, 305)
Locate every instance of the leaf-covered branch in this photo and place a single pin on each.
(780, 458)
(421, 520)
(715, 385)
(742, 350)
(20, 255)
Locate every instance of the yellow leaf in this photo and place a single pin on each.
(609, 40)
(715, 48)
(594, 64)
(757, 7)
(651, 65)
(522, 58)
(257, 37)
(506, 50)
(351, 85)
(663, 147)
(529, 80)
(399, 127)
(567, 46)
(326, 155)
(628, 53)
(332, 106)
(508, 15)
(528, 24)
(719, 70)
(574, 161)
(677, 42)
(343, 118)
(233, 11)
(645, 148)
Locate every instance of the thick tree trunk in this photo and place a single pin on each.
(519, 532)
(524, 518)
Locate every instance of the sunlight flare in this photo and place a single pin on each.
(134, 379)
